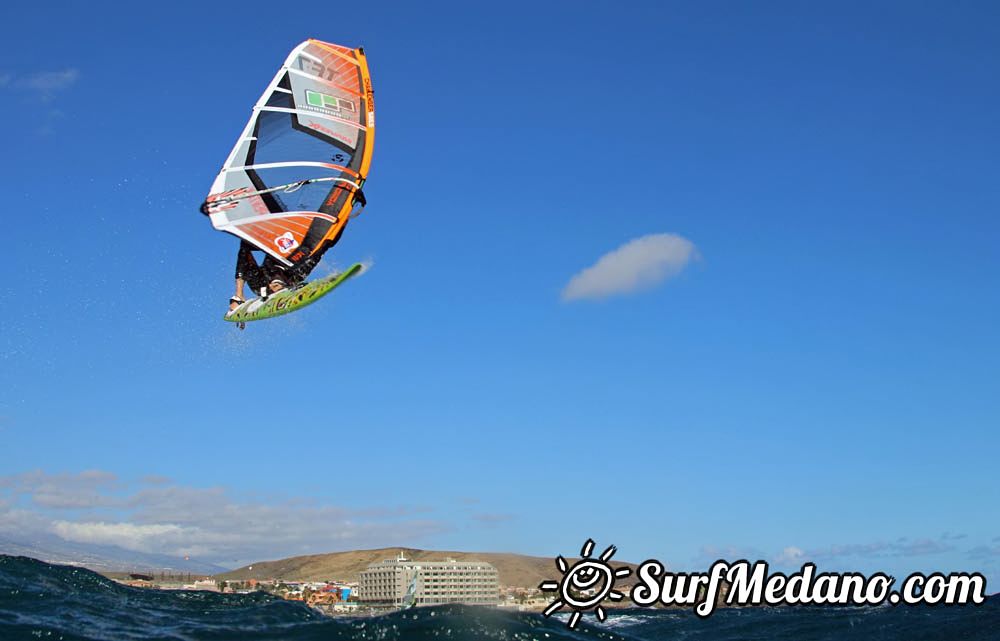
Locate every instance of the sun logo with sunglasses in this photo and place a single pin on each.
(585, 584)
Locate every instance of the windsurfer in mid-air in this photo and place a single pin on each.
(270, 276)
(294, 179)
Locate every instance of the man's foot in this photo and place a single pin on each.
(277, 285)
(235, 302)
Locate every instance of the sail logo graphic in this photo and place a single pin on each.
(286, 242)
(326, 101)
(216, 203)
(585, 584)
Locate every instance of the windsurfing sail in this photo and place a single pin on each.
(410, 598)
(294, 177)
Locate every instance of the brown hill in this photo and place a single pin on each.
(514, 569)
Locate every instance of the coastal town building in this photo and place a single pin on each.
(210, 585)
(400, 582)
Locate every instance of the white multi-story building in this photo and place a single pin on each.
(400, 582)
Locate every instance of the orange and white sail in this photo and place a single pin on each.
(295, 175)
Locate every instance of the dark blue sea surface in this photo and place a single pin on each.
(42, 601)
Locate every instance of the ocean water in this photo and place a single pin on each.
(42, 601)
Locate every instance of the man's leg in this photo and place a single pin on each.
(248, 272)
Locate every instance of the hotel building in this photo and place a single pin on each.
(401, 582)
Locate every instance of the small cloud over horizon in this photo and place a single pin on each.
(984, 552)
(638, 265)
(711, 553)
(901, 548)
(490, 519)
(791, 555)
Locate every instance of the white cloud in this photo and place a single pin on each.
(791, 556)
(902, 547)
(17, 522)
(49, 81)
(983, 552)
(142, 538)
(43, 85)
(711, 553)
(88, 489)
(639, 264)
(492, 519)
(39, 91)
(97, 508)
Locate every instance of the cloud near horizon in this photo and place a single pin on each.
(97, 508)
(492, 519)
(794, 556)
(638, 265)
(902, 547)
(791, 555)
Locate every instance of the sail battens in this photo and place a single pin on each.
(295, 174)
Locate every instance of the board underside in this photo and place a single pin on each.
(290, 300)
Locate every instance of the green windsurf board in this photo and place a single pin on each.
(289, 300)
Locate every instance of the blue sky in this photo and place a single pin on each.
(816, 378)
